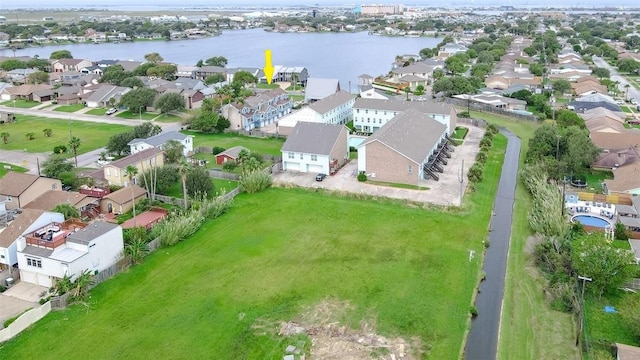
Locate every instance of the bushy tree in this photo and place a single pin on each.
(61, 54)
(169, 102)
(153, 57)
(55, 165)
(137, 100)
(566, 118)
(628, 65)
(38, 77)
(217, 61)
(160, 178)
(608, 267)
(173, 150)
(199, 182)
(214, 79)
(601, 73)
(244, 78)
(67, 210)
(561, 86)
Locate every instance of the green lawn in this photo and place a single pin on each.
(267, 86)
(604, 328)
(16, 168)
(129, 115)
(270, 146)
(167, 118)
(69, 108)
(529, 328)
(595, 178)
(92, 135)
(460, 132)
(296, 98)
(273, 255)
(23, 104)
(98, 111)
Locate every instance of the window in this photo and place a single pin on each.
(9, 198)
(301, 156)
(54, 186)
(290, 155)
(410, 169)
(115, 172)
(314, 157)
(34, 262)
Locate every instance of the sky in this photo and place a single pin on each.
(12, 4)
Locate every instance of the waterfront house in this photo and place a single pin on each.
(18, 189)
(61, 65)
(315, 147)
(68, 248)
(25, 222)
(158, 141)
(320, 88)
(405, 150)
(259, 110)
(201, 73)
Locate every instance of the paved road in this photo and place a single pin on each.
(482, 341)
(615, 76)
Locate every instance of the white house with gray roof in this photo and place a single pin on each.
(369, 115)
(316, 148)
(404, 149)
(320, 88)
(137, 145)
(334, 109)
(68, 248)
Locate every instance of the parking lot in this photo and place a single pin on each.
(445, 191)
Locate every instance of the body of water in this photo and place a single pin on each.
(344, 56)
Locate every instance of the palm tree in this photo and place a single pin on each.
(131, 171)
(136, 249)
(5, 137)
(63, 285)
(183, 168)
(626, 96)
(243, 156)
(81, 285)
(74, 144)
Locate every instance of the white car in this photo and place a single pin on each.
(112, 111)
(620, 102)
(633, 101)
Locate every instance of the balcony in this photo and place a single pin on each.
(54, 234)
(94, 191)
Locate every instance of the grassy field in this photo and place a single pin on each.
(69, 108)
(4, 170)
(129, 115)
(529, 328)
(270, 146)
(23, 104)
(404, 268)
(167, 118)
(92, 135)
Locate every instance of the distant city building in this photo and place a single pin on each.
(379, 9)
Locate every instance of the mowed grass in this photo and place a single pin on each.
(129, 115)
(23, 104)
(69, 108)
(273, 255)
(98, 111)
(219, 185)
(92, 135)
(269, 146)
(529, 328)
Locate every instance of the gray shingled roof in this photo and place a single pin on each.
(331, 102)
(320, 88)
(313, 138)
(411, 133)
(91, 231)
(394, 105)
(160, 139)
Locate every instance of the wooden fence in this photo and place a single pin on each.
(257, 133)
(219, 174)
(489, 108)
(170, 200)
(632, 284)
(475, 122)
(620, 199)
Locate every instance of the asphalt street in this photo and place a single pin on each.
(482, 341)
(615, 76)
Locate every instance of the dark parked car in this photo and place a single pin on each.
(320, 177)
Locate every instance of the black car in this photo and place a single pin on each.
(320, 177)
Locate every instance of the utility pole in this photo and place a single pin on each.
(581, 325)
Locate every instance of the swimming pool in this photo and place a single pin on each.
(591, 220)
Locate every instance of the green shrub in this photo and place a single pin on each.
(482, 157)
(485, 143)
(493, 129)
(254, 182)
(362, 177)
(59, 149)
(475, 173)
(229, 166)
(464, 114)
(473, 311)
(217, 150)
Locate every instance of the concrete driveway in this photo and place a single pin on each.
(446, 191)
(10, 307)
(26, 292)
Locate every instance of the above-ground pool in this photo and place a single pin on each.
(591, 220)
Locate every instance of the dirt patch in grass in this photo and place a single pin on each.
(330, 339)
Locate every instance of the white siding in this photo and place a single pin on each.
(306, 164)
(362, 158)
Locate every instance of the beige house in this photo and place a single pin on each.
(62, 65)
(120, 201)
(406, 150)
(115, 172)
(18, 189)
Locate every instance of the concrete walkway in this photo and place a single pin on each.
(482, 341)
